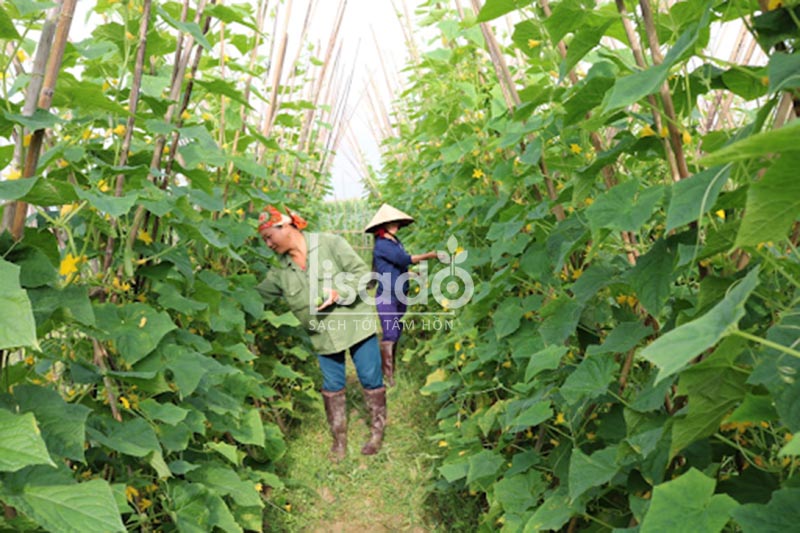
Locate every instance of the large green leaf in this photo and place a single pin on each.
(133, 437)
(21, 442)
(225, 482)
(694, 196)
(80, 508)
(651, 278)
(17, 326)
(587, 471)
(769, 142)
(784, 71)
(624, 208)
(497, 8)
(63, 425)
(561, 319)
(689, 499)
(7, 29)
(554, 512)
(16, 189)
(135, 328)
(713, 387)
(484, 466)
(590, 379)
(507, 317)
(781, 514)
(773, 203)
(106, 203)
(676, 348)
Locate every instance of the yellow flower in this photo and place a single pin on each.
(259, 487)
(772, 5)
(120, 286)
(578, 272)
(457, 346)
(477, 173)
(103, 186)
(21, 55)
(647, 131)
(588, 201)
(129, 36)
(443, 444)
(631, 300)
(143, 322)
(26, 140)
(131, 492)
(69, 265)
(67, 209)
(288, 507)
(29, 360)
(533, 43)
(14, 174)
(575, 149)
(144, 503)
(127, 405)
(687, 137)
(119, 129)
(560, 419)
(764, 80)
(87, 133)
(664, 132)
(186, 115)
(506, 364)
(145, 237)
(720, 213)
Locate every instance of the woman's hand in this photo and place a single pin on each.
(332, 297)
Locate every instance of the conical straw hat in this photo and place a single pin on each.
(386, 214)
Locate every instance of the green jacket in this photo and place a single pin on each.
(331, 262)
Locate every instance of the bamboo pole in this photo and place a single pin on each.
(513, 100)
(32, 97)
(45, 100)
(675, 135)
(638, 55)
(133, 104)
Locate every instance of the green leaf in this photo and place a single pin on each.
(133, 437)
(228, 451)
(484, 465)
(250, 429)
(7, 29)
(673, 351)
(621, 339)
(784, 71)
(135, 328)
(624, 208)
(493, 9)
(694, 196)
(792, 448)
(547, 359)
(106, 203)
(79, 508)
(286, 319)
(754, 409)
(590, 379)
(773, 203)
(225, 482)
(769, 142)
(651, 278)
(47, 192)
(41, 119)
(165, 412)
(562, 318)
(713, 387)
(17, 326)
(587, 471)
(16, 189)
(781, 514)
(186, 27)
(520, 492)
(63, 425)
(21, 442)
(565, 18)
(554, 512)
(585, 39)
(507, 317)
(689, 499)
(532, 413)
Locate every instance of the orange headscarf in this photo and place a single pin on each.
(272, 217)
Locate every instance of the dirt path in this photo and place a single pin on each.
(380, 493)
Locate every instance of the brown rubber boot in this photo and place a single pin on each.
(337, 420)
(376, 403)
(387, 362)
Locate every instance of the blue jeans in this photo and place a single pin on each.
(367, 360)
(391, 317)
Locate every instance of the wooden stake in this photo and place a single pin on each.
(45, 99)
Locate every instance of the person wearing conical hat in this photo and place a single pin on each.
(333, 321)
(390, 261)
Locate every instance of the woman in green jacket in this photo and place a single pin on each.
(320, 277)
